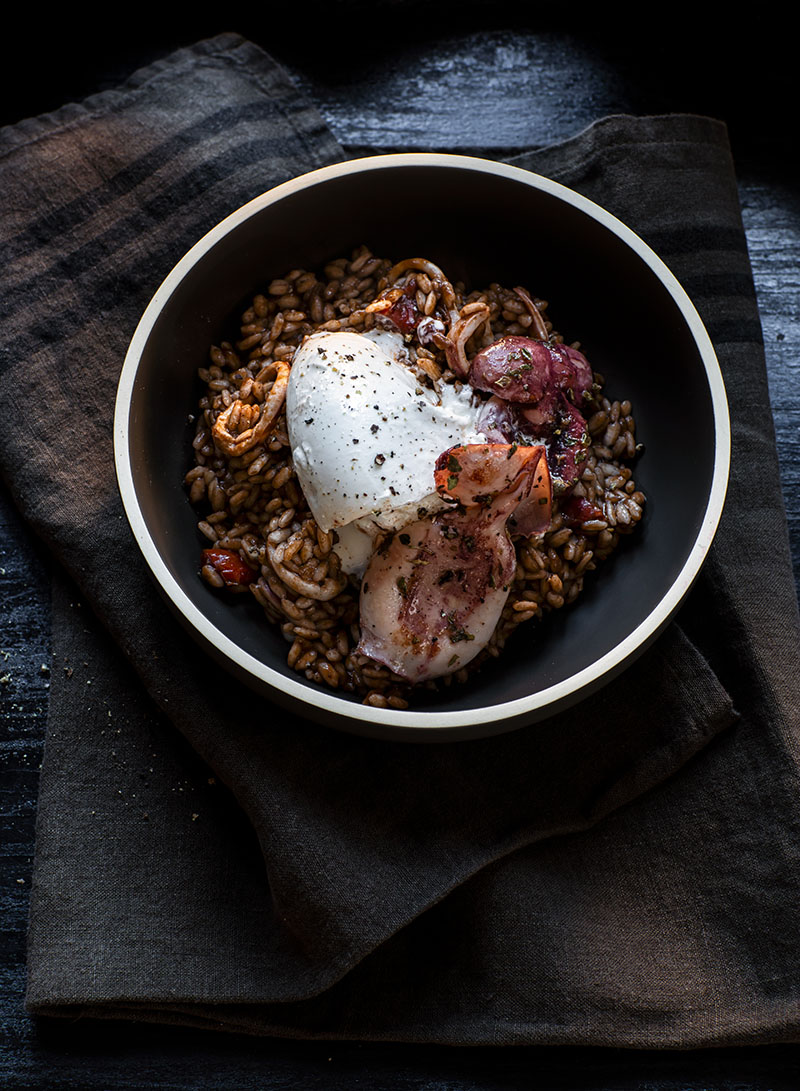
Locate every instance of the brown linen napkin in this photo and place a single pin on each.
(345, 887)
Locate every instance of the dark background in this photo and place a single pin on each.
(469, 77)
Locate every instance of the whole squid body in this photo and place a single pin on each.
(433, 592)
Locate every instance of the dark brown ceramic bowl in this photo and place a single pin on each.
(481, 222)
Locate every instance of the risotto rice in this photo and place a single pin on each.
(260, 538)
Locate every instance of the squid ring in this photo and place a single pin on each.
(248, 439)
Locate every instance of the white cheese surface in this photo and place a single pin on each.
(365, 435)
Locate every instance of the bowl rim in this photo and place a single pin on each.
(334, 707)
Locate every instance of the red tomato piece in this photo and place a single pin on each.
(229, 565)
(577, 510)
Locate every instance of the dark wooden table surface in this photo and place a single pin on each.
(388, 77)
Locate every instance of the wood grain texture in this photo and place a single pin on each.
(771, 216)
(459, 79)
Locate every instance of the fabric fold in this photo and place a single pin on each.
(206, 858)
(358, 838)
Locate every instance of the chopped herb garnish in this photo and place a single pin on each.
(453, 464)
(452, 481)
(402, 586)
(457, 632)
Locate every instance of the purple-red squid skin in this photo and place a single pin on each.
(433, 592)
(538, 390)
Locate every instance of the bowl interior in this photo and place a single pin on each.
(479, 227)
